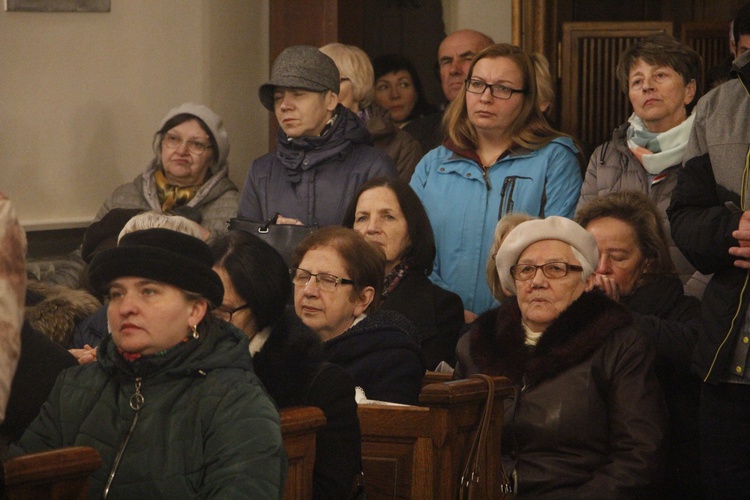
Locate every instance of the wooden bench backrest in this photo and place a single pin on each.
(55, 474)
(298, 428)
(420, 451)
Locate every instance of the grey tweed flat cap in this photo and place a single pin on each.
(301, 67)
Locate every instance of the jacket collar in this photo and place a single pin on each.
(460, 153)
(741, 68)
(303, 153)
(497, 342)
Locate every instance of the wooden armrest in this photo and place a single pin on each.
(461, 391)
(300, 419)
(431, 377)
(51, 466)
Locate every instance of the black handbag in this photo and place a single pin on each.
(283, 237)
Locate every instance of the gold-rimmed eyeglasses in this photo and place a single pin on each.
(173, 142)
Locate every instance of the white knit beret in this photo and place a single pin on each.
(551, 228)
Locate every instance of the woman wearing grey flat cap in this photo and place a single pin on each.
(323, 151)
(588, 418)
(171, 403)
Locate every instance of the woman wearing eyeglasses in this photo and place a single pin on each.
(287, 355)
(588, 419)
(501, 156)
(337, 277)
(189, 169)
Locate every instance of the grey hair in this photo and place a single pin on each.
(154, 220)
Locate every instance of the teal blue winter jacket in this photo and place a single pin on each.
(464, 203)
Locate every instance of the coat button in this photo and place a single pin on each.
(738, 369)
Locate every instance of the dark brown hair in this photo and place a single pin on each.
(421, 251)
(661, 50)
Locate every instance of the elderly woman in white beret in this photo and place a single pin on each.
(588, 419)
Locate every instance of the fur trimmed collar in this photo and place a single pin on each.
(497, 344)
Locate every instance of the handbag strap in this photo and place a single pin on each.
(271, 220)
(472, 471)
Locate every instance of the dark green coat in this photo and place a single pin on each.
(206, 427)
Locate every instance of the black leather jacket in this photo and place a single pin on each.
(588, 420)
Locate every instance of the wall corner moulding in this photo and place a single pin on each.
(58, 5)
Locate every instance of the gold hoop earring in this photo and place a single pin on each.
(195, 332)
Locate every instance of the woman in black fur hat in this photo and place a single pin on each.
(171, 403)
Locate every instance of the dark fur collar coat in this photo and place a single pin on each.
(588, 419)
(497, 339)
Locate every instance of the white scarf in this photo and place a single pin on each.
(658, 152)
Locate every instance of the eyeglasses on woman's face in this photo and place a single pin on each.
(325, 281)
(225, 313)
(476, 86)
(173, 141)
(552, 270)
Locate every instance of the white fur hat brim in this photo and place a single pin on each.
(551, 228)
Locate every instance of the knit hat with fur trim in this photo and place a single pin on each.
(160, 255)
(213, 121)
(551, 228)
(300, 67)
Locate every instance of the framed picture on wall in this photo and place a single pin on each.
(57, 5)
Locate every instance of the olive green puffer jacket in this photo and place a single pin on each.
(205, 428)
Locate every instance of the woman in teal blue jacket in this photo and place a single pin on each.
(501, 156)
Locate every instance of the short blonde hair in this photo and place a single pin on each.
(504, 226)
(154, 220)
(354, 64)
(545, 87)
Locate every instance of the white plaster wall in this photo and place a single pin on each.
(492, 17)
(82, 95)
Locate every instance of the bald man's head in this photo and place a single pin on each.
(455, 54)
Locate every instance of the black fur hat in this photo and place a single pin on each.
(160, 255)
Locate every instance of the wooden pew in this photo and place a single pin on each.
(431, 377)
(420, 451)
(57, 474)
(298, 428)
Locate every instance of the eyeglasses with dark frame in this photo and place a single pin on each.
(552, 270)
(497, 90)
(173, 142)
(325, 281)
(226, 313)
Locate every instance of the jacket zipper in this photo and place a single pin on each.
(136, 403)
(743, 192)
(487, 182)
